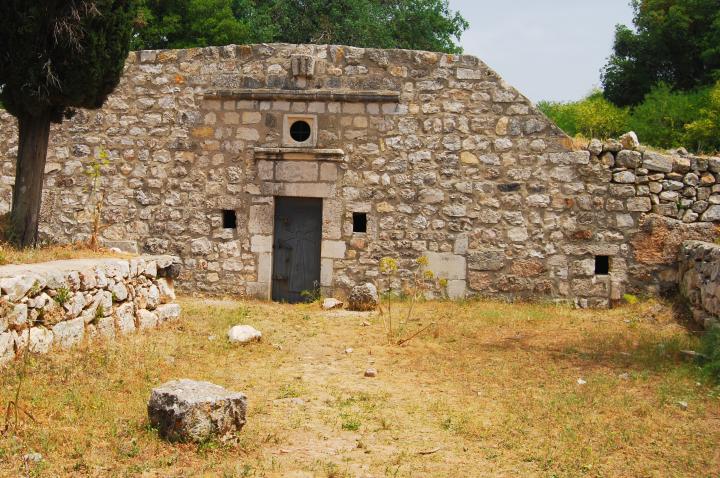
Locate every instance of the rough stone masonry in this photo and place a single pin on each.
(431, 154)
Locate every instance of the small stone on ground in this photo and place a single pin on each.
(331, 303)
(371, 372)
(242, 334)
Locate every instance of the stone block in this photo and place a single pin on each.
(264, 270)
(486, 260)
(69, 333)
(326, 272)
(328, 172)
(296, 171)
(7, 347)
(125, 318)
(168, 311)
(657, 162)
(40, 340)
(446, 265)
(641, 204)
(190, 411)
(456, 289)
(147, 319)
(261, 219)
(261, 243)
(333, 249)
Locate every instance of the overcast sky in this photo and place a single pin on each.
(547, 49)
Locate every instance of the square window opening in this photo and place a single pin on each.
(359, 222)
(229, 218)
(602, 265)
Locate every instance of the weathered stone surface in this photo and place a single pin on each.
(191, 411)
(7, 348)
(332, 303)
(446, 265)
(486, 260)
(40, 340)
(657, 162)
(69, 333)
(147, 319)
(168, 311)
(363, 297)
(242, 334)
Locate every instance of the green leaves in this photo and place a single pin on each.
(56, 55)
(675, 41)
(412, 24)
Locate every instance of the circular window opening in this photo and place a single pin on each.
(300, 131)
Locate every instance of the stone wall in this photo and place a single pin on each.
(699, 271)
(59, 304)
(443, 156)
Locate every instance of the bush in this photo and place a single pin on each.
(710, 348)
(661, 118)
(703, 134)
(592, 117)
(665, 119)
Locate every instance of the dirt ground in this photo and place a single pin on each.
(491, 390)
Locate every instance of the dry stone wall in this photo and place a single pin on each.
(699, 270)
(441, 155)
(62, 303)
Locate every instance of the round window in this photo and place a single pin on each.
(300, 131)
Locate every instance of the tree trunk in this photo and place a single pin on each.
(29, 174)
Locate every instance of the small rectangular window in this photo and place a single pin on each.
(229, 219)
(602, 265)
(359, 222)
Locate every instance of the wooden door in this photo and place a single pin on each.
(296, 249)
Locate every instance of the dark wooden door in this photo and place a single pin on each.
(296, 248)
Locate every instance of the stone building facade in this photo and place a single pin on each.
(403, 153)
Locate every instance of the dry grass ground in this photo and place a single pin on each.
(492, 392)
(13, 255)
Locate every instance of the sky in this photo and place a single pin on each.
(547, 49)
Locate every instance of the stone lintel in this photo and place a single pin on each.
(299, 154)
(269, 94)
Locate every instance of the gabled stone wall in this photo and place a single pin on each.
(63, 303)
(443, 156)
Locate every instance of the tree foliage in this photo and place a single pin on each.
(55, 55)
(412, 24)
(676, 42)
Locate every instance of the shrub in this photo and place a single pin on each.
(703, 134)
(593, 116)
(661, 118)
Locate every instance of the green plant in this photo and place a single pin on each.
(630, 298)
(710, 350)
(94, 171)
(591, 117)
(421, 281)
(62, 295)
(313, 295)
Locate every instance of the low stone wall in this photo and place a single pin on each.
(699, 273)
(59, 304)
(676, 184)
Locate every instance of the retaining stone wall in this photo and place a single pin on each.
(444, 157)
(59, 304)
(699, 270)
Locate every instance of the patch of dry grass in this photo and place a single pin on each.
(32, 255)
(492, 391)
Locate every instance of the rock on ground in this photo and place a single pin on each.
(331, 303)
(363, 297)
(191, 411)
(243, 334)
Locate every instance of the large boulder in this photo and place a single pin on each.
(191, 411)
(363, 297)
